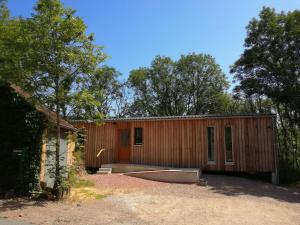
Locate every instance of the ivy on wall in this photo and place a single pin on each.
(21, 132)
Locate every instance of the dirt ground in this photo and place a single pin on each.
(226, 200)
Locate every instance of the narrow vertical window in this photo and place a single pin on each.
(211, 144)
(228, 145)
(138, 136)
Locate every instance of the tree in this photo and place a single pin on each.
(153, 88)
(11, 45)
(270, 64)
(203, 83)
(53, 57)
(269, 69)
(104, 88)
(65, 56)
(122, 103)
(4, 11)
(192, 85)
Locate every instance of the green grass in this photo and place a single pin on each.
(81, 183)
(98, 196)
(91, 194)
(83, 190)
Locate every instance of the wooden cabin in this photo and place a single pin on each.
(242, 143)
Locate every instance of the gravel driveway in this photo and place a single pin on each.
(226, 200)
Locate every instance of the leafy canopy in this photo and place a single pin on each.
(51, 55)
(192, 85)
(103, 90)
(270, 64)
(64, 55)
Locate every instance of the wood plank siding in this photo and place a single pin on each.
(183, 142)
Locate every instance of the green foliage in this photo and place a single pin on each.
(288, 145)
(65, 54)
(270, 64)
(192, 85)
(4, 11)
(51, 55)
(202, 82)
(268, 73)
(58, 57)
(98, 96)
(78, 167)
(84, 105)
(78, 155)
(239, 104)
(11, 45)
(22, 128)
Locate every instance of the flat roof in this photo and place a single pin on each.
(204, 116)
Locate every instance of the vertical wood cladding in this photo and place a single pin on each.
(183, 143)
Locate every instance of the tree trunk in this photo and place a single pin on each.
(57, 182)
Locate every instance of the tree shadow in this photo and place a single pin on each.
(235, 186)
(17, 204)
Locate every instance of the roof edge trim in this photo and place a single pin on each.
(213, 116)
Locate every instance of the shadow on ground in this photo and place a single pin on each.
(16, 204)
(233, 186)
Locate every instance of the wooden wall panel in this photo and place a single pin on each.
(183, 143)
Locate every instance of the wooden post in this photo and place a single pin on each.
(43, 159)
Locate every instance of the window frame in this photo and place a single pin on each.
(134, 136)
(232, 148)
(211, 162)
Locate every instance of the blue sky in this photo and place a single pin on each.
(133, 32)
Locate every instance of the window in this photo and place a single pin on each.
(228, 145)
(211, 144)
(138, 136)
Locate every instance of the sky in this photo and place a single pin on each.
(133, 32)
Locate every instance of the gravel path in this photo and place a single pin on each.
(226, 200)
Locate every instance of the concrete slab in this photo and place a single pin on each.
(125, 168)
(170, 176)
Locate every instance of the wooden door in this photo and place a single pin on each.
(124, 145)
